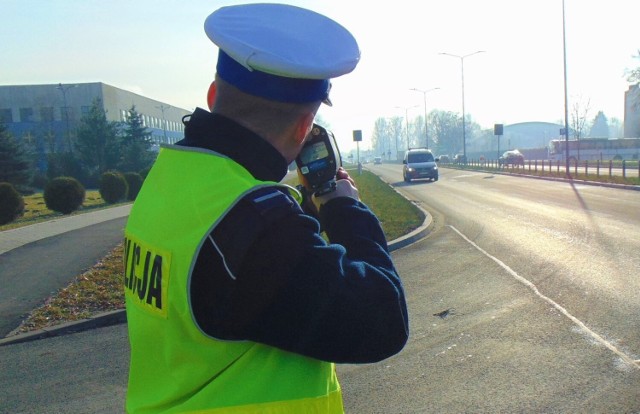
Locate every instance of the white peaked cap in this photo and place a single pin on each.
(281, 40)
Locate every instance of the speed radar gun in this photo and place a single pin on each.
(318, 162)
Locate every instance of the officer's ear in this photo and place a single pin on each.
(304, 127)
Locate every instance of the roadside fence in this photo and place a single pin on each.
(610, 168)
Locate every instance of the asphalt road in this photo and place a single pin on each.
(578, 244)
(500, 349)
(32, 269)
(542, 280)
(522, 299)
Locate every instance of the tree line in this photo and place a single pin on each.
(94, 147)
(443, 135)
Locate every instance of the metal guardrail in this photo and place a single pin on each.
(611, 168)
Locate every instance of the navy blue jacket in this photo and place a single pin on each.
(271, 277)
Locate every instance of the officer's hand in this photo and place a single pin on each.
(344, 188)
(342, 174)
(307, 202)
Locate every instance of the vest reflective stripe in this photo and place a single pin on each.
(174, 366)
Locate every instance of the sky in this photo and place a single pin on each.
(158, 48)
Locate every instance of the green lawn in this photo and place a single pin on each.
(397, 215)
(36, 211)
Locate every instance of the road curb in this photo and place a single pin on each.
(418, 234)
(415, 235)
(97, 321)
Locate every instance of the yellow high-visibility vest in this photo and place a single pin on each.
(175, 367)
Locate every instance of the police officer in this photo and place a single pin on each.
(235, 303)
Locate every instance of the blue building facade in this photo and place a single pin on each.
(47, 116)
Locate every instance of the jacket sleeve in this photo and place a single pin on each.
(341, 301)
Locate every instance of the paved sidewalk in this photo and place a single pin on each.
(11, 239)
(42, 258)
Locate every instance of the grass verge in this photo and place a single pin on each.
(36, 211)
(397, 215)
(99, 289)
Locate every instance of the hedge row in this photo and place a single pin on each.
(66, 194)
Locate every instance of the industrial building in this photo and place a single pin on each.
(632, 112)
(52, 112)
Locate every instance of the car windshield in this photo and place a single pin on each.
(420, 157)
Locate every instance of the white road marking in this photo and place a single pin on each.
(463, 176)
(624, 357)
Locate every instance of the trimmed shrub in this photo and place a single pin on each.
(113, 187)
(134, 181)
(11, 203)
(64, 195)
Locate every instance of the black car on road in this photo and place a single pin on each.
(419, 163)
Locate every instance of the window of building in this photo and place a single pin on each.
(67, 113)
(46, 114)
(5, 115)
(26, 115)
(85, 110)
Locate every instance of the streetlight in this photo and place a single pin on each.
(566, 110)
(424, 93)
(464, 133)
(164, 121)
(62, 88)
(406, 122)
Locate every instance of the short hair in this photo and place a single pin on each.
(262, 114)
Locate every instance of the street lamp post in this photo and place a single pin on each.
(464, 132)
(62, 88)
(424, 94)
(164, 121)
(406, 121)
(566, 109)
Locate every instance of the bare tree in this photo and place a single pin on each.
(579, 113)
(380, 139)
(416, 132)
(633, 75)
(446, 132)
(396, 130)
